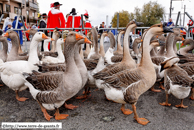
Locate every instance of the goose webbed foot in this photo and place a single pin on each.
(161, 86)
(181, 105)
(70, 106)
(141, 121)
(192, 94)
(126, 111)
(85, 93)
(155, 90)
(21, 99)
(165, 104)
(59, 116)
(46, 115)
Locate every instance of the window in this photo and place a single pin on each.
(20, 11)
(16, 10)
(8, 8)
(33, 14)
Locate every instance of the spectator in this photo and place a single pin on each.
(100, 31)
(170, 23)
(27, 34)
(190, 23)
(77, 20)
(43, 25)
(19, 27)
(87, 22)
(55, 17)
(86, 25)
(5, 23)
(9, 26)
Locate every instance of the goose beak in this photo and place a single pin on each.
(52, 39)
(44, 36)
(28, 31)
(78, 37)
(64, 39)
(141, 40)
(87, 41)
(157, 36)
(6, 35)
(182, 32)
(167, 30)
(183, 39)
(182, 45)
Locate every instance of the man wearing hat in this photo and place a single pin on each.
(77, 20)
(55, 17)
(87, 22)
(43, 25)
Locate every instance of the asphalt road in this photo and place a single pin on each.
(96, 113)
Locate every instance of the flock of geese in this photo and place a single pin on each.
(55, 76)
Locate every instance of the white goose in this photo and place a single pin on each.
(11, 71)
(60, 58)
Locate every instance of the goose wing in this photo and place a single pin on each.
(188, 67)
(116, 58)
(90, 63)
(179, 76)
(124, 78)
(45, 81)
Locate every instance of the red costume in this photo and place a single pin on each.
(55, 19)
(77, 20)
(191, 24)
(87, 23)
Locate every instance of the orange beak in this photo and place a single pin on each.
(182, 45)
(106, 35)
(141, 40)
(6, 34)
(28, 31)
(52, 39)
(78, 37)
(64, 39)
(44, 36)
(183, 39)
(87, 41)
(157, 36)
(182, 32)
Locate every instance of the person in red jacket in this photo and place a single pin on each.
(87, 22)
(55, 17)
(77, 20)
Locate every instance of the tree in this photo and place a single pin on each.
(123, 18)
(152, 13)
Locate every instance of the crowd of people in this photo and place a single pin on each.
(55, 18)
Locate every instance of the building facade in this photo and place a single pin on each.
(12, 8)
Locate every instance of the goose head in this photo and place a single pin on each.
(39, 36)
(72, 38)
(60, 41)
(11, 34)
(31, 31)
(169, 63)
(159, 29)
(57, 33)
(187, 42)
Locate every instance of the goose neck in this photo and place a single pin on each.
(146, 61)
(102, 52)
(169, 45)
(33, 55)
(46, 46)
(119, 47)
(126, 54)
(135, 47)
(59, 51)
